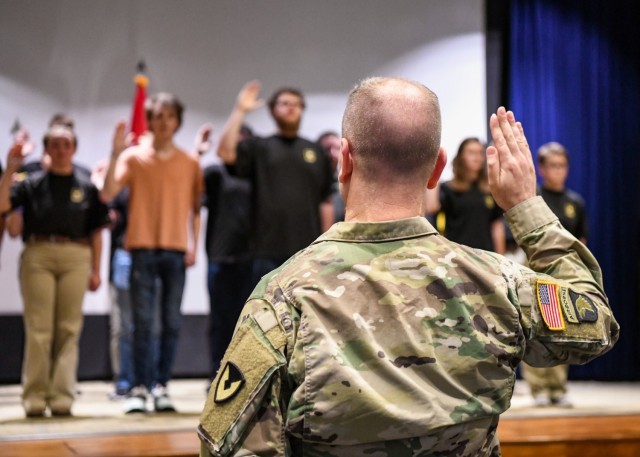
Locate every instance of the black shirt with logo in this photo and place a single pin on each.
(61, 205)
(290, 177)
(570, 209)
(468, 216)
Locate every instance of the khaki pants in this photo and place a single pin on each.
(53, 279)
(551, 382)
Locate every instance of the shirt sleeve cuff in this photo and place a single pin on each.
(528, 216)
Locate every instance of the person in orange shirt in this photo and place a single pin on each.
(165, 187)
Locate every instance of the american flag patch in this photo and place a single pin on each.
(550, 305)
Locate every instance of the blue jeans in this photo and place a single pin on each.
(148, 265)
(229, 287)
(122, 330)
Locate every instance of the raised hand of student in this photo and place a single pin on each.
(248, 98)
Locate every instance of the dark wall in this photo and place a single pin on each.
(192, 359)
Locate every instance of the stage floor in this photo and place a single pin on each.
(96, 414)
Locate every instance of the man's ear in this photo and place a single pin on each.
(441, 161)
(345, 162)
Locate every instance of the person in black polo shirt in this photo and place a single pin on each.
(291, 178)
(549, 385)
(464, 208)
(63, 216)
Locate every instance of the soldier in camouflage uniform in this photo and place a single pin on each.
(383, 338)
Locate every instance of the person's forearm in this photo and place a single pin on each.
(14, 223)
(110, 188)
(95, 240)
(227, 146)
(5, 191)
(553, 250)
(573, 290)
(195, 228)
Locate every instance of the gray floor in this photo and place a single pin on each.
(95, 413)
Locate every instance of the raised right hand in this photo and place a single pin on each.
(248, 97)
(15, 157)
(120, 139)
(512, 176)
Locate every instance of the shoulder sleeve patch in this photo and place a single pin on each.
(587, 311)
(229, 383)
(549, 304)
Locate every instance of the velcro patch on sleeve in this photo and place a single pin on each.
(549, 304)
(247, 367)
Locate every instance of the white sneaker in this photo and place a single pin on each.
(540, 401)
(161, 401)
(137, 401)
(562, 402)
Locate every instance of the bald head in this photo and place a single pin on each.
(393, 128)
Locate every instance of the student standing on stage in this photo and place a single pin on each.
(165, 188)
(291, 178)
(62, 217)
(464, 208)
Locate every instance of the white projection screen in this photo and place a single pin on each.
(79, 57)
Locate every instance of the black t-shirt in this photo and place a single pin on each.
(228, 199)
(468, 216)
(59, 205)
(290, 177)
(570, 209)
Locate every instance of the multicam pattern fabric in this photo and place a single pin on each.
(386, 339)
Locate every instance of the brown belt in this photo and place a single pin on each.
(58, 239)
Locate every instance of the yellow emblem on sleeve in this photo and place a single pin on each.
(229, 384)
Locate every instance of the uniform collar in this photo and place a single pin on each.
(363, 232)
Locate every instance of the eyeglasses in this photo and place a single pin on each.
(287, 104)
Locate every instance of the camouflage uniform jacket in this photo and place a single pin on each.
(386, 339)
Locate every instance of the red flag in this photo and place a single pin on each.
(138, 114)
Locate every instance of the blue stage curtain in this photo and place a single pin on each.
(574, 77)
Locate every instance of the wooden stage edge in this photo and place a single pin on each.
(582, 436)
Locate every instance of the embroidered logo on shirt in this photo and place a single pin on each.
(77, 195)
(489, 201)
(549, 305)
(570, 210)
(230, 382)
(309, 155)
